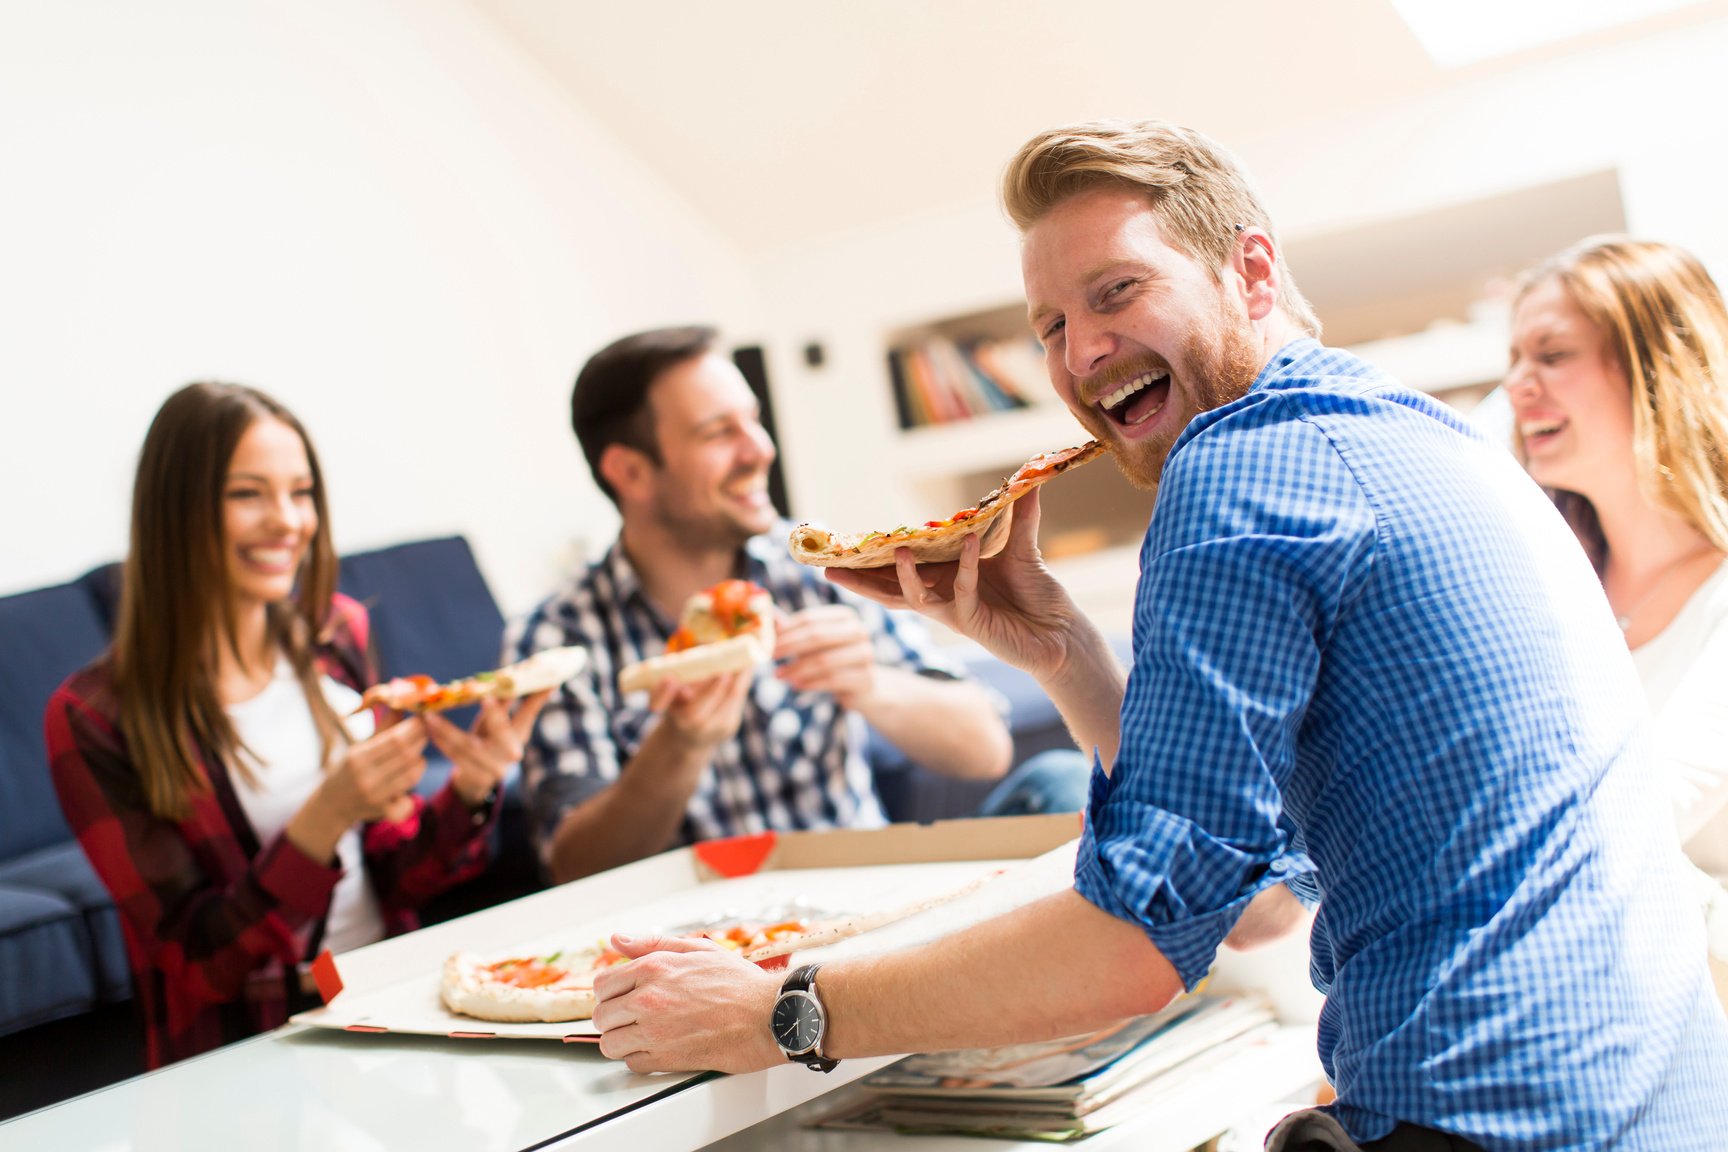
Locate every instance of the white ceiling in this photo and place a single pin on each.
(783, 121)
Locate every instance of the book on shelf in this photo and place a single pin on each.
(1062, 1089)
(938, 380)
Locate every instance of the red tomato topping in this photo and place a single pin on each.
(731, 601)
(527, 973)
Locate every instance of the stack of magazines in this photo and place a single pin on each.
(1062, 1089)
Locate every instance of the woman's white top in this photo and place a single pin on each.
(276, 726)
(1685, 673)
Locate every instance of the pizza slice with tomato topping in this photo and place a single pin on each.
(939, 540)
(542, 670)
(726, 628)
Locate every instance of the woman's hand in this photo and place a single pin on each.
(1010, 604)
(370, 782)
(484, 755)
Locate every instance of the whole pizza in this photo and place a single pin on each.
(559, 987)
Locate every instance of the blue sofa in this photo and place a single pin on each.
(60, 947)
(61, 950)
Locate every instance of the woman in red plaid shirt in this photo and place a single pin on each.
(204, 762)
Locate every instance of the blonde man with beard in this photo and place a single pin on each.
(1370, 668)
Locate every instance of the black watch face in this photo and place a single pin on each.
(797, 1022)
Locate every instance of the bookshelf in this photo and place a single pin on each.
(964, 368)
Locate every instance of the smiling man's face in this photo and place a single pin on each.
(1138, 337)
(711, 489)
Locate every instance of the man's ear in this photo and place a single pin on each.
(1255, 261)
(627, 469)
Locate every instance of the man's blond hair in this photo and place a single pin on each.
(1199, 192)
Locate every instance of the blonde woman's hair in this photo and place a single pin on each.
(1199, 191)
(1664, 321)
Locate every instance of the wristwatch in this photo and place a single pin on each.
(800, 1022)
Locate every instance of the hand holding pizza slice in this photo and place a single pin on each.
(727, 628)
(937, 541)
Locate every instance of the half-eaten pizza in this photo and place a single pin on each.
(727, 628)
(547, 669)
(939, 540)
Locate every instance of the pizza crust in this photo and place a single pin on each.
(694, 664)
(545, 669)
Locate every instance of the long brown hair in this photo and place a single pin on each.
(1663, 317)
(174, 603)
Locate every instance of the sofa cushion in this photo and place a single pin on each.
(45, 636)
(431, 610)
(44, 953)
(64, 871)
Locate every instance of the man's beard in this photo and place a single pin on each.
(1220, 362)
(714, 531)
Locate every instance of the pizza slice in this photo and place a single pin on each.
(727, 628)
(939, 540)
(542, 670)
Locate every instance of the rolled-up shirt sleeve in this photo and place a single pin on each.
(1241, 583)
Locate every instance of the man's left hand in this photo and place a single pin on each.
(686, 1004)
(827, 649)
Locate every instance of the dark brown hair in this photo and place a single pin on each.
(610, 402)
(174, 604)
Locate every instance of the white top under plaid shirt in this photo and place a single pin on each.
(1362, 634)
(797, 760)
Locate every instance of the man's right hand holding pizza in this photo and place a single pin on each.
(1015, 608)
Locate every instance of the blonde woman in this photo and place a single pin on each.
(239, 821)
(1619, 389)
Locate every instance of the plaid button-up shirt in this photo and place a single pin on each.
(215, 923)
(796, 762)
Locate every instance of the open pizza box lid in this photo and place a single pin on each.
(977, 869)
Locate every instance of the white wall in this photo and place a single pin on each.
(377, 210)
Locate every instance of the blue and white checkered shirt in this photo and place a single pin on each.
(797, 760)
(1370, 659)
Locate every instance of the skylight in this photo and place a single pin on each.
(1460, 32)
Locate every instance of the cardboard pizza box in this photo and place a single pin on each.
(997, 864)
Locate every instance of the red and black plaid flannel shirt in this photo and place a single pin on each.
(216, 924)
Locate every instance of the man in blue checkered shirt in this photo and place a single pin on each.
(1370, 666)
(672, 434)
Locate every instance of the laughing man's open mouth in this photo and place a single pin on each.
(1138, 399)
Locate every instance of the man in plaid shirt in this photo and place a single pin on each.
(672, 434)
